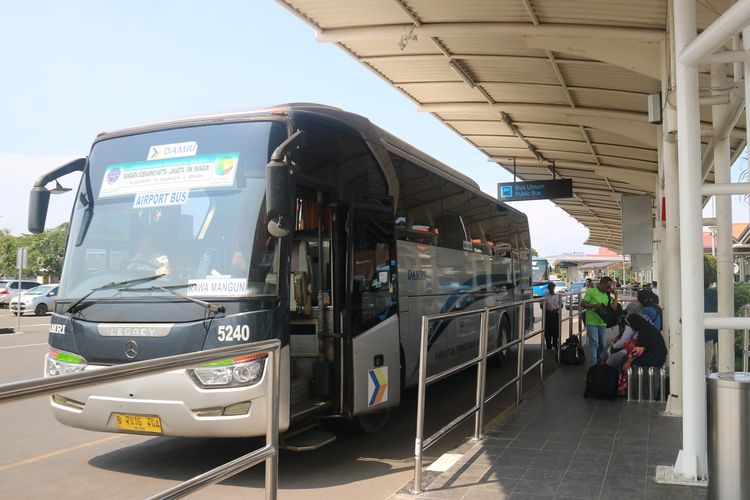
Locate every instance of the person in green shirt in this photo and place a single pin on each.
(596, 327)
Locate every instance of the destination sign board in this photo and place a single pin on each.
(535, 190)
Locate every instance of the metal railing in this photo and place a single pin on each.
(572, 313)
(480, 361)
(269, 453)
(653, 389)
(745, 346)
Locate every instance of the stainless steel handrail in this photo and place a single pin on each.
(269, 453)
(422, 443)
(745, 340)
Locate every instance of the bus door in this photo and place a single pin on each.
(371, 360)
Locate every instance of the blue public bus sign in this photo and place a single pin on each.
(535, 190)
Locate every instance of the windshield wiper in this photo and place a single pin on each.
(215, 308)
(114, 284)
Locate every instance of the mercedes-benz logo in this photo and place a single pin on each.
(131, 349)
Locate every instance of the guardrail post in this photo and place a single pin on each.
(541, 344)
(631, 381)
(519, 354)
(272, 425)
(559, 331)
(639, 371)
(570, 315)
(481, 371)
(418, 451)
(651, 384)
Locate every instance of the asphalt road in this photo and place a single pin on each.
(41, 457)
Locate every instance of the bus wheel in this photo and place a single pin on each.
(503, 337)
(371, 422)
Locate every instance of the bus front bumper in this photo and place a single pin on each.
(189, 411)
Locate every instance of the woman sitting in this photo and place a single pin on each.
(649, 349)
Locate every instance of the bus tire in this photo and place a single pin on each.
(371, 423)
(503, 337)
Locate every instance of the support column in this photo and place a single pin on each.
(724, 271)
(670, 290)
(691, 461)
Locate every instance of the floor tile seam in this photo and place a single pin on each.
(609, 460)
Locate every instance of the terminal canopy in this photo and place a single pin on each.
(563, 82)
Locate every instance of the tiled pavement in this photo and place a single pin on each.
(559, 445)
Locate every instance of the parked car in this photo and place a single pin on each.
(39, 300)
(560, 286)
(9, 289)
(575, 289)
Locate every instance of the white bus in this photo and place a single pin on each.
(303, 223)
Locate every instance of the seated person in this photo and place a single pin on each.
(617, 351)
(148, 258)
(649, 349)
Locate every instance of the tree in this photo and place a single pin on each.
(709, 268)
(46, 251)
(534, 253)
(8, 246)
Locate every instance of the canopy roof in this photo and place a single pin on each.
(544, 82)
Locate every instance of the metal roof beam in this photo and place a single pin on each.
(611, 170)
(515, 107)
(494, 29)
(641, 56)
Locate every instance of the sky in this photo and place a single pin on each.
(76, 68)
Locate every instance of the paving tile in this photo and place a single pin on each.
(536, 487)
(560, 447)
(528, 444)
(543, 474)
(529, 496)
(500, 485)
(520, 453)
(504, 472)
(656, 491)
(452, 493)
(488, 494)
(547, 463)
(578, 485)
(593, 467)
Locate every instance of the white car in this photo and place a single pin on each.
(560, 286)
(39, 300)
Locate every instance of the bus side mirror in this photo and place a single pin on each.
(39, 196)
(279, 188)
(38, 205)
(278, 197)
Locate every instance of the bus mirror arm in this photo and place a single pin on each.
(279, 187)
(39, 196)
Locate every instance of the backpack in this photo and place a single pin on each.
(571, 352)
(601, 382)
(610, 317)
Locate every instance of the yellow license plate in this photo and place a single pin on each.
(138, 423)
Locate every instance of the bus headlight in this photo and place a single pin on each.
(58, 362)
(237, 372)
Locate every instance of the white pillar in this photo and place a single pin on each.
(691, 461)
(724, 271)
(670, 290)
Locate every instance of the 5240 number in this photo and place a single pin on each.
(229, 333)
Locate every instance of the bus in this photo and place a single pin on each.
(539, 277)
(303, 223)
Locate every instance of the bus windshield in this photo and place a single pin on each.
(185, 202)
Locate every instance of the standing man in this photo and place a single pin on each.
(596, 326)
